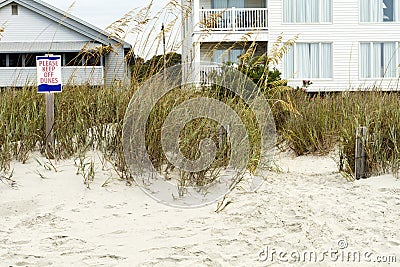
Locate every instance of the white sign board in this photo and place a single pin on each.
(48, 69)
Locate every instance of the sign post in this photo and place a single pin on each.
(48, 69)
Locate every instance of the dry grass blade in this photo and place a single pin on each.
(2, 27)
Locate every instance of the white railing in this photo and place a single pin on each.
(234, 19)
(206, 71)
(19, 77)
(83, 75)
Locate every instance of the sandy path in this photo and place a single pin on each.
(56, 221)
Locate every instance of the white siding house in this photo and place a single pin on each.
(32, 28)
(342, 44)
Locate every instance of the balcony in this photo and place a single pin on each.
(206, 72)
(234, 19)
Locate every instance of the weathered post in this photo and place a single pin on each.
(50, 125)
(360, 168)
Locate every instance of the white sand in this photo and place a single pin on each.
(308, 206)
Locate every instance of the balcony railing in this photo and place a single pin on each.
(83, 75)
(206, 71)
(234, 19)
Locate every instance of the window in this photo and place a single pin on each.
(14, 9)
(307, 11)
(18, 60)
(3, 60)
(30, 60)
(378, 60)
(378, 10)
(227, 55)
(73, 59)
(92, 59)
(228, 3)
(308, 60)
(15, 60)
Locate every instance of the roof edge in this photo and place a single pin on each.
(68, 20)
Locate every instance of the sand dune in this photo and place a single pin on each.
(306, 207)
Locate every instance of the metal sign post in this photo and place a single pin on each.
(49, 81)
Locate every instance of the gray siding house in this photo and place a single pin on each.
(32, 28)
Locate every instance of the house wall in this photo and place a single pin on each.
(207, 4)
(116, 69)
(30, 26)
(345, 32)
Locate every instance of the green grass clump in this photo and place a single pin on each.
(22, 128)
(326, 121)
(197, 130)
(85, 118)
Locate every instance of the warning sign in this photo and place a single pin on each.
(48, 70)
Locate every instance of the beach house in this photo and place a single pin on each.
(342, 44)
(32, 28)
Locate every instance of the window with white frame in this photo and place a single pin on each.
(227, 3)
(378, 59)
(307, 11)
(14, 9)
(379, 10)
(227, 55)
(308, 61)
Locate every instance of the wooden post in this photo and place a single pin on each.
(50, 125)
(164, 52)
(360, 168)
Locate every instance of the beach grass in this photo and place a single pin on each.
(328, 121)
(88, 117)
